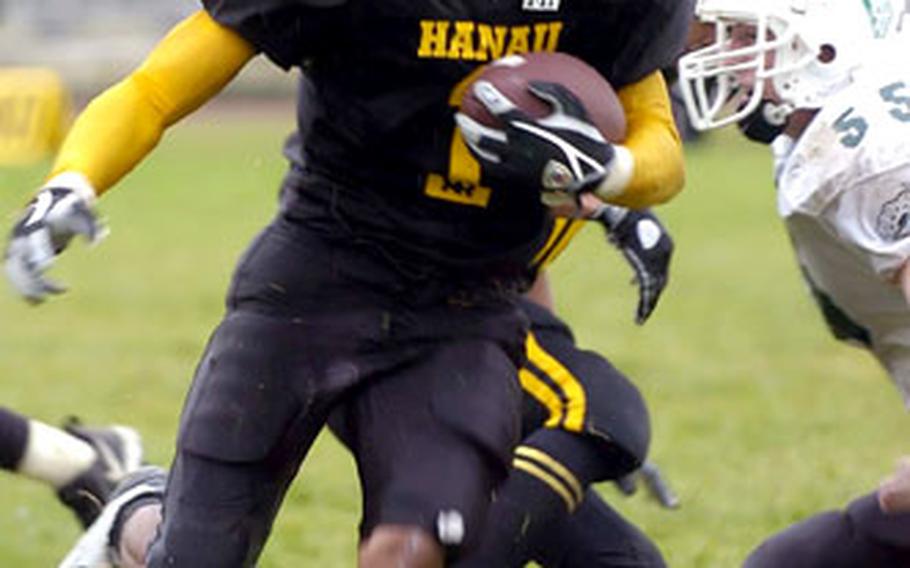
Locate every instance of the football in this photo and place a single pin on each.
(512, 75)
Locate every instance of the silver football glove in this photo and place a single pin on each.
(57, 213)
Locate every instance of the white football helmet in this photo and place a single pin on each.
(807, 49)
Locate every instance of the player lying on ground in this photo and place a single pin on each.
(81, 464)
(583, 422)
(374, 280)
(826, 83)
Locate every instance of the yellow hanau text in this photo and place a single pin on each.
(471, 41)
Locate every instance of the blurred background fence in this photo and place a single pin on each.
(91, 43)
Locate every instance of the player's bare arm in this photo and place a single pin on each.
(904, 281)
(541, 292)
(115, 132)
(894, 491)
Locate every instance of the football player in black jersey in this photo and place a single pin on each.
(583, 422)
(388, 282)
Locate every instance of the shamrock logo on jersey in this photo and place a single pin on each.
(892, 221)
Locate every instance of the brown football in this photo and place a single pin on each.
(512, 74)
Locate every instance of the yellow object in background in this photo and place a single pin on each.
(34, 114)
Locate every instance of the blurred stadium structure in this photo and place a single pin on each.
(92, 43)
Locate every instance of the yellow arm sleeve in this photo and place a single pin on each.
(652, 152)
(123, 124)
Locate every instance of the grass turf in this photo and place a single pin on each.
(759, 417)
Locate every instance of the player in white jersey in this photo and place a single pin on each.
(827, 81)
(844, 194)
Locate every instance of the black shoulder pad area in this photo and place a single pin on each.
(656, 40)
(287, 31)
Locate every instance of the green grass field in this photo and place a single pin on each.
(760, 418)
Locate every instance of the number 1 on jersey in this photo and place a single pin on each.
(462, 182)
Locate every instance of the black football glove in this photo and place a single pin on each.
(646, 246)
(562, 154)
(45, 228)
(765, 123)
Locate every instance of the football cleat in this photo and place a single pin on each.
(654, 481)
(658, 486)
(119, 452)
(95, 548)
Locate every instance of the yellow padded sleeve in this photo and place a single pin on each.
(123, 124)
(655, 145)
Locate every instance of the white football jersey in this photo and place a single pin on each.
(844, 194)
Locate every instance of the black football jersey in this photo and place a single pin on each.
(381, 83)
